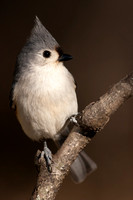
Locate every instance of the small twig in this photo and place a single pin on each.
(92, 120)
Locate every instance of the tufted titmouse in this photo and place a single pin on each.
(43, 93)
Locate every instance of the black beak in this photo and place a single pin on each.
(65, 57)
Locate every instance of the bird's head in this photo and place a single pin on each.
(41, 48)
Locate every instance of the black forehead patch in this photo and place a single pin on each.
(59, 50)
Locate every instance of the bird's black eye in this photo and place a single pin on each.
(46, 54)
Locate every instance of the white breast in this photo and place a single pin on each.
(45, 98)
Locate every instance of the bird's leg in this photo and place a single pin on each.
(47, 155)
(61, 136)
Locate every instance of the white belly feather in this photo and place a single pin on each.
(45, 99)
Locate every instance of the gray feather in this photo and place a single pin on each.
(82, 167)
(40, 38)
(41, 34)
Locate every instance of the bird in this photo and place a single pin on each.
(43, 94)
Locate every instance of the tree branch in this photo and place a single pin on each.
(90, 121)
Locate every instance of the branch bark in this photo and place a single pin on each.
(90, 121)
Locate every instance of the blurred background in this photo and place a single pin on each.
(99, 35)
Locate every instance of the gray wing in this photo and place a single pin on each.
(15, 79)
(11, 102)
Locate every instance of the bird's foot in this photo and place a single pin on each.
(73, 119)
(47, 155)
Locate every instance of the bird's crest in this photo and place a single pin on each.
(41, 36)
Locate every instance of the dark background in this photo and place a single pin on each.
(99, 35)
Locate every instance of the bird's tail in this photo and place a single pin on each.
(82, 167)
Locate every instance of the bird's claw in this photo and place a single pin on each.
(47, 155)
(73, 119)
